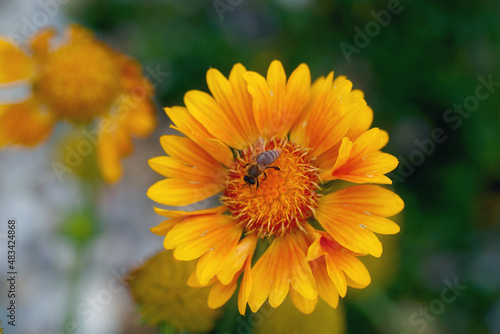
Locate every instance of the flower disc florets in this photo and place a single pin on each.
(284, 200)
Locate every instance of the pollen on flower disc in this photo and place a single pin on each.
(284, 200)
(79, 80)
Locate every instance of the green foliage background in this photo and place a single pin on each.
(427, 59)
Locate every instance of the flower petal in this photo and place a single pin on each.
(185, 214)
(277, 103)
(326, 288)
(205, 110)
(15, 64)
(141, 119)
(245, 288)
(166, 226)
(180, 216)
(189, 126)
(232, 96)
(108, 157)
(236, 258)
(177, 192)
(282, 264)
(365, 163)
(170, 167)
(199, 234)
(327, 117)
(219, 293)
(303, 304)
(211, 262)
(24, 124)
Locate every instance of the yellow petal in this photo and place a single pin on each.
(24, 124)
(243, 101)
(220, 294)
(236, 258)
(15, 64)
(177, 192)
(40, 42)
(164, 227)
(326, 288)
(327, 117)
(190, 153)
(374, 200)
(302, 279)
(185, 214)
(337, 277)
(211, 262)
(245, 288)
(365, 164)
(170, 167)
(207, 112)
(199, 234)
(344, 152)
(141, 120)
(353, 237)
(108, 157)
(304, 305)
(353, 268)
(232, 99)
(188, 125)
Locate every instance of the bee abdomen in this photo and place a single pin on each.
(268, 157)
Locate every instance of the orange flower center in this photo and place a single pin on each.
(79, 81)
(284, 200)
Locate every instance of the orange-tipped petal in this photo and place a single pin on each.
(188, 125)
(232, 96)
(206, 111)
(364, 163)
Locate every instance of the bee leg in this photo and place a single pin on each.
(275, 167)
(257, 184)
(246, 165)
(265, 176)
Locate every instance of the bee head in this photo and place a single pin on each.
(249, 180)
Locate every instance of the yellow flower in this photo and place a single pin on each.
(287, 320)
(80, 80)
(159, 287)
(292, 235)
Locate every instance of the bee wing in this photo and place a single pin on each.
(258, 148)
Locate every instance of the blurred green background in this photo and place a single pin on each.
(428, 59)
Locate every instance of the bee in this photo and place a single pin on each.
(262, 160)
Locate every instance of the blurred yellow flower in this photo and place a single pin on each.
(288, 320)
(159, 287)
(306, 239)
(80, 80)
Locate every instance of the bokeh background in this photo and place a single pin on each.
(417, 66)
